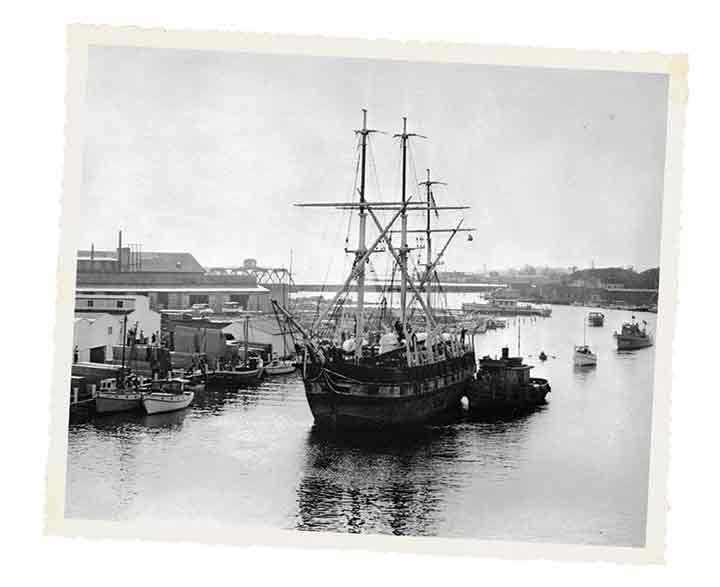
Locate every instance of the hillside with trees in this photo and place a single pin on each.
(628, 277)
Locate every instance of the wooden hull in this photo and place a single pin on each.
(235, 377)
(331, 410)
(340, 402)
(117, 402)
(158, 403)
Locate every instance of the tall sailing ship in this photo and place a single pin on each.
(400, 366)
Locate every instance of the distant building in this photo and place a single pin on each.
(170, 281)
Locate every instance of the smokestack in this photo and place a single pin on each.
(119, 255)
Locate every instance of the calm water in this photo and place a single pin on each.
(574, 471)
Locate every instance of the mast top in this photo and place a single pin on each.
(405, 134)
(427, 182)
(365, 130)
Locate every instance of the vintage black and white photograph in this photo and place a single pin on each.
(347, 295)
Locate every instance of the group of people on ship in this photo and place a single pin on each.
(384, 345)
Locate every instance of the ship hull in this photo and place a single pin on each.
(122, 402)
(235, 377)
(484, 399)
(339, 402)
(335, 411)
(159, 403)
(628, 343)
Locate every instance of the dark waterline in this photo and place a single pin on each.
(573, 471)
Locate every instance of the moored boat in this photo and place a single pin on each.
(110, 398)
(167, 396)
(279, 367)
(385, 372)
(596, 319)
(583, 356)
(122, 393)
(504, 384)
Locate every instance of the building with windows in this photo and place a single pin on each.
(140, 317)
(170, 281)
(93, 337)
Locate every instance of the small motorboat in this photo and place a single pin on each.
(584, 357)
(280, 367)
(110, 398)
(167, 396)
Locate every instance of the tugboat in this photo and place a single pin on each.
(632, 337)
(383, 373)
(505, 385)
(596, 318)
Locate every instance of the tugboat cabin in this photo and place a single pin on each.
(505, 372)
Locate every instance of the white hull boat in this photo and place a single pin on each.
(584, 357)
(167, 396)
(160, 402)
(280, 368)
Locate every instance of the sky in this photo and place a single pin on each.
(206, 152)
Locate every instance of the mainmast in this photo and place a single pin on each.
(404, 136)
(360, 253)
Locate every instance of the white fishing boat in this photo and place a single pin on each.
(583, 355)
(167, 396)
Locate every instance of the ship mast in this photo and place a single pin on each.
(404, 136)
(431, 205)
(403, 227)
(360, 253)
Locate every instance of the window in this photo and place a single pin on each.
(90, 303)
(110, 330)
(119, 304)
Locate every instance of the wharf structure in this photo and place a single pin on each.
(176, 281)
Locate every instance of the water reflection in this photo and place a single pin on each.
(400, 483)
(374, 482)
